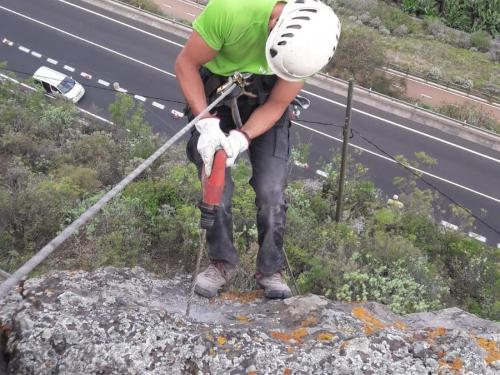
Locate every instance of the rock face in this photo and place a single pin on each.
(127, 321)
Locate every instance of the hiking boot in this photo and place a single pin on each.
(274, 286)
(217, 274)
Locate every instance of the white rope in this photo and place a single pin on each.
(14, 279)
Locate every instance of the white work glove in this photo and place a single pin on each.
(238, 142)
(211, 139)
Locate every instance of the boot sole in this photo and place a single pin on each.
(204, 292)
(277, 294)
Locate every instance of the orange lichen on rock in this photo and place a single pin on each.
(456, 366)
(371, 324)
(325, 336)
(491, 347)
(221, 340)
(287, 371)
(297, 335)
(242, 297)
(400, 325)
(242, 318)
(437, 332)
(311, 320)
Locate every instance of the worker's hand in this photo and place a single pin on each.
(211, 139)
(238, 142)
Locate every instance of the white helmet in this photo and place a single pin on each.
(303, 40)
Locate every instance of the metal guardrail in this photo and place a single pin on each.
(419, 74)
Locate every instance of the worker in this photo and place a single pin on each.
(280, 44)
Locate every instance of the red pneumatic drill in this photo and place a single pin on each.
(212, 189)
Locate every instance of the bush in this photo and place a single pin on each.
(358, 54)
(481, 40)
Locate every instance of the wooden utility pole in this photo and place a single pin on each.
(345, 145)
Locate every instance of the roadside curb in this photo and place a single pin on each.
(331, 84)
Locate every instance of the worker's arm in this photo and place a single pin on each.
(265, 116)
(195, 53)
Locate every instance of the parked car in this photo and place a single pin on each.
(59, 84)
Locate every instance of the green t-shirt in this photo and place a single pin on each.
(238, 29)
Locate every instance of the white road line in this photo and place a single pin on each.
(88, 41)
(141, 98)
(173, 75)
(449, 225)
(36, 54)
(24, 49)
(191, 14)
(102, 82)
(52, 61)
(426, 96)
(69, 68)
(497, 200)
(122, 90)
(407, 128)
(121, 23)
(321, 173)
(477, 236)
(86, 75)
(299, 164)
(8, 42)
(158, 105)
(308, 92)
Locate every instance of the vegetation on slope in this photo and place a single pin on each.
(54, 164)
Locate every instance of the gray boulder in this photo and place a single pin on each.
(128, 321)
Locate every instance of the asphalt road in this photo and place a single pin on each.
(75, 38)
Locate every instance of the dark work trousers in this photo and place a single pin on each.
(269, 154)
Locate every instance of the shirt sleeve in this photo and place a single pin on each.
(210, 24)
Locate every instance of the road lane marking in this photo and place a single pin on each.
(312, 94)
(52, 61)
(158, 105)
(69, 68)
(102, 82)
(321, 173)
(36, 54)
(141, 98)
(497, 200)
(8, 42)
(86, 75)
(88, 41)
(407, 128)
(477, 237)
(449, 225)
(191, 14)
(121, 23)
(24, 49)
(122, 90)
(173, 75)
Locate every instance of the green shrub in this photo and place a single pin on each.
(481, 40)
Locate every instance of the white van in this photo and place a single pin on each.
(59, 84)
